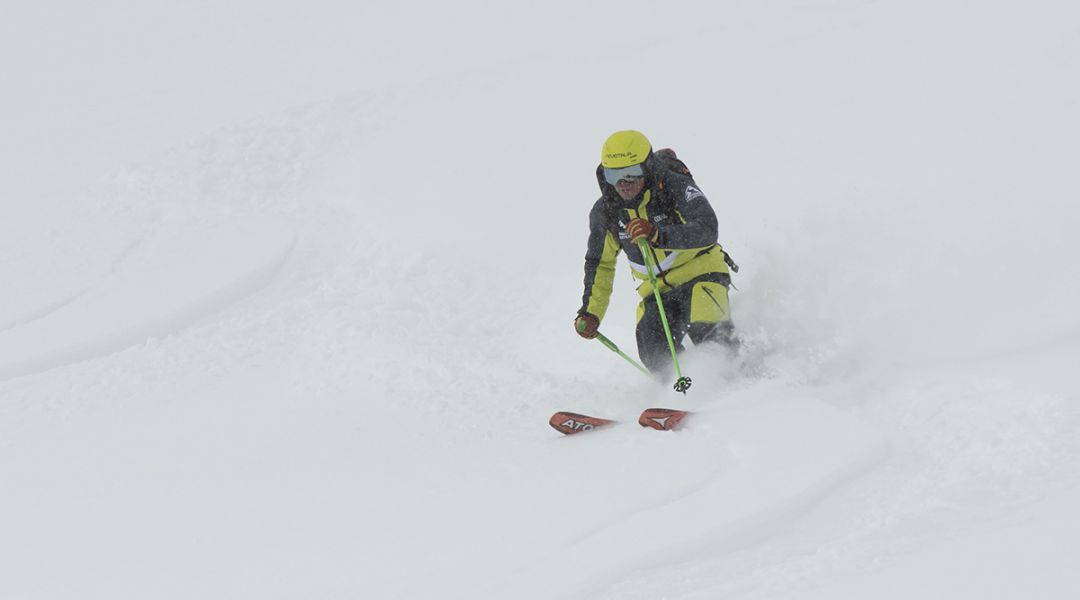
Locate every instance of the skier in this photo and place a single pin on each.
(653, 196)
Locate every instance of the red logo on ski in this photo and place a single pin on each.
(664, 419)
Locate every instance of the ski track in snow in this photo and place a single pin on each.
(173, 282)
(761, 477)
(38, 312)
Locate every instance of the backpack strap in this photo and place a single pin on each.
(673, 162)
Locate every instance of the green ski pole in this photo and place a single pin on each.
(682, 383)
(611, 346)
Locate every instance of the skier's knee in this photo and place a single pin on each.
(722, 333)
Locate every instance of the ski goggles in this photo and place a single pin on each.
(631, 173)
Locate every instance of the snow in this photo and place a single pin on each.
(173, 281)
(289, 290)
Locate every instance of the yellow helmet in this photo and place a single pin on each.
(624, 149)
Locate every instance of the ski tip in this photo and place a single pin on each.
(569, 423)
(663, 419)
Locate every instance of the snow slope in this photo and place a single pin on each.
(289, 291)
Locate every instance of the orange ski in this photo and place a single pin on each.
(664, 419)
(570, 423)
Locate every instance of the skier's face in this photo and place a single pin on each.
(628, 188)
